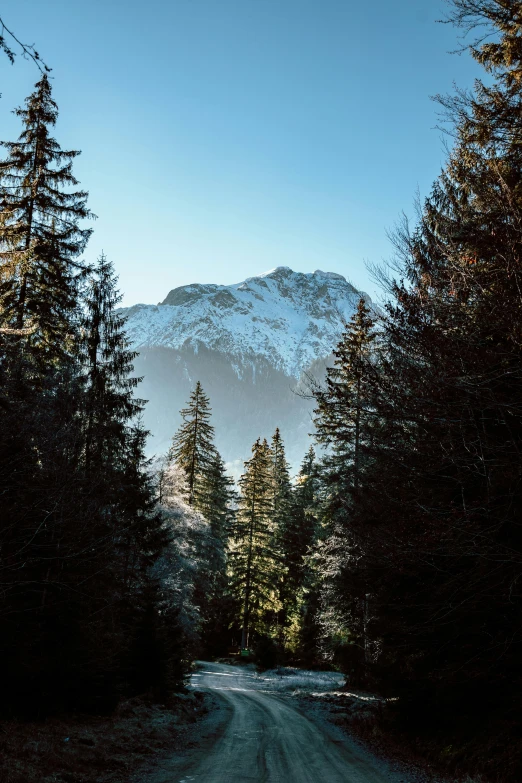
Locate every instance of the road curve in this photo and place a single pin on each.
(267, 740)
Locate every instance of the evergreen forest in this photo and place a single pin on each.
(395, 553)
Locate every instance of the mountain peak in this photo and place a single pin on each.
(329, 275)
(288, 318)
(278, 271)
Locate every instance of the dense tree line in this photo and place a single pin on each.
(421, 553)
(87, 614)
(116, 572)
(263, 536)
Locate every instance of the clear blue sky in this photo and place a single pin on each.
(222, 138)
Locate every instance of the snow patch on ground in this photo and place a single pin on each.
(287, 680)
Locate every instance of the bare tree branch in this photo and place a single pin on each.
(27, 51)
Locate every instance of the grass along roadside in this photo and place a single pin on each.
(455, 755)
(92, 749)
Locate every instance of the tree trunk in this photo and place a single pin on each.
(246, 608)
(193, 466)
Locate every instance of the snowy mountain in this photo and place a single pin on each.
(248, 344)
(288, 318)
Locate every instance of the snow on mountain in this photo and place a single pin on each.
(288, 318)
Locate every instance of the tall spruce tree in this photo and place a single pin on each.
(255, 562)
(107, 362)
(209, 491)
(120, 489)
(282, 487)
(343, 417)
(78, 528)
(298, 533)
(281, 511)
(345, 424)
(302, 536)
(43, 518)
(217, 496)
(217, 502)
(193, 446)
(301, 527)
(40, 235)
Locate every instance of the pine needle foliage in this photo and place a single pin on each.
(40, 234)
(343, 417)
(209, 490)
(193, 445)
(255, 563)
(217, 497)
(281, 520)
(107, 363)
(298, 534)
(217, 502)
(346, 425)
(301, 527)
(281, 481)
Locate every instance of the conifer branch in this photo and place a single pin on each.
(28, 50)
(23, 332)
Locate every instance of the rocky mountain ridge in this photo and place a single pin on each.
(287, 318)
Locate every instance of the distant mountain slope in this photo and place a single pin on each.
(248, 344)
(287, 317)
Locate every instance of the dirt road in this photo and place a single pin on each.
(263, 737)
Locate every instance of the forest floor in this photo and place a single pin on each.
(89, 749)
(281, 726)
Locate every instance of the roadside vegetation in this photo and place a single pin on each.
(97, 749)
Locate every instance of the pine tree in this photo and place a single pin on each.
(40, 236)
(217, 496)
(43, 512)
(193, 445)
(121, 491)
(301, 527)
(254, 560)
(217, 501)
(281, 511)
(209, 491)
(343, 418)
(107, 362)
(345, 423)
(282, 487)
(79, 533)
(298, 538)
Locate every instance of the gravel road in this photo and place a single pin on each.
(257, 735)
